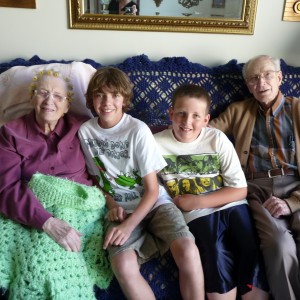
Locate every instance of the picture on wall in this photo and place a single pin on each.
(18, 3)
(218, 3)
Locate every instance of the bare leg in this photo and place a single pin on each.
(256, 294)
(127, 272)
(187, 258)
(231, 295)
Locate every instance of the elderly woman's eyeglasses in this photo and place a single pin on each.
(44, 94)
(267, 76)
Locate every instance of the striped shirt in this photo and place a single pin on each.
(273, 141)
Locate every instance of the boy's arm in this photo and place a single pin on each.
(115, 211)
(148, 200)
(220, 197)
(118, 235)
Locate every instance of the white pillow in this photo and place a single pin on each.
(15, 82)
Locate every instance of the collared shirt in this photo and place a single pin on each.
(273, 141)
(25, 150)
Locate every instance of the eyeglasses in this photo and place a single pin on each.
(267, 76)
(44, 94)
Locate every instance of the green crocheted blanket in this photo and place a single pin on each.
(33, 266)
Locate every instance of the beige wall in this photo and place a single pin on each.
(44, 31)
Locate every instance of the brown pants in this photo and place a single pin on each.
(279, 237)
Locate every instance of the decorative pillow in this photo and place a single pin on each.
(15, 82)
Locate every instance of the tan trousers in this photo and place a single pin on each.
(279, 237)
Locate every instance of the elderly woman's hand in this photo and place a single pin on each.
(63, 234)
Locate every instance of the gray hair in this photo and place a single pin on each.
(274, 61)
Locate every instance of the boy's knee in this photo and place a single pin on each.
(125, 264)
(184, 250)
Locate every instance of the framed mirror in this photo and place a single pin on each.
(207, 16)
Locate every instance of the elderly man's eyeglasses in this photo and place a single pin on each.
(44, 94)
(267, 76)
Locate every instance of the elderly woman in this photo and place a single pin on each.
(50, 229)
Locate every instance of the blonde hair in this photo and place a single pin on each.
(38, 77)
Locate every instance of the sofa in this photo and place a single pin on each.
(154, 82)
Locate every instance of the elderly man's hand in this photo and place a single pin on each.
(63, 234)
(277, 207)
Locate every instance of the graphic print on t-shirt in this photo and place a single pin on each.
(122, 180)
(192, 174)
(115, 179)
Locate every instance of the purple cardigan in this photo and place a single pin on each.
(25, 150)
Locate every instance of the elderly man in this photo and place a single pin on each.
(267, 140)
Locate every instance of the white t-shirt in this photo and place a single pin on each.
(202, 166)
(120, 157)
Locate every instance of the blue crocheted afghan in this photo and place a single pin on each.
(154, 82)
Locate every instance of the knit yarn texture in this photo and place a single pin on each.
(33, 266)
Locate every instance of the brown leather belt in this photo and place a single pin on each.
(271, 173)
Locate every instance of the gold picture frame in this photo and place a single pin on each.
(18, 3)
(78, 19)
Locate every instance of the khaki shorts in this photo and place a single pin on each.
(154, 235)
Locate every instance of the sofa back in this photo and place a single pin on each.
(155, 81)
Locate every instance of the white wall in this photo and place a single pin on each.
(44, 31)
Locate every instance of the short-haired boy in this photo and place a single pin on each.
(122, 154)
(212, 197)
